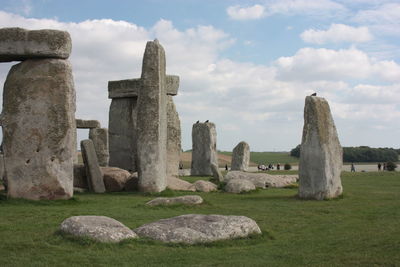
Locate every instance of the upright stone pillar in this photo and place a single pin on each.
(174, 148)
(39, 129)
(99, 136)
(241, 157)
(321, 155)
(204, 152)
(152, 121)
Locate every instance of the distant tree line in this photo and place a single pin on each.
(362, 154)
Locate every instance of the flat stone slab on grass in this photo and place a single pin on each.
(263, 180)
(196, 228)
(99, 228)
(18, 44)
(179, 184)
(205, 186)
(239, 185)
(187, 200)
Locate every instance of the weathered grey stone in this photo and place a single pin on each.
(99, 228)
(18, 44)
(93, 172)
(241, 157)
(196, 228)
(321, 155)
(179, 184)
(262, 180)
(239, 186)
(184, 172)
(217, 175)
(130, 87)
(115, 178)
(186, 200)
(152, 121)
(79, 190)
(122, 133)
(204, 186)
(2, 167)
(80, 179)
(132, 184)
(99, 136)
(204, 152)
(87, 124)
(38, 122)
(173, 139)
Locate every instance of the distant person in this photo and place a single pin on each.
(379, 166)
(270, 166)
(384, 166)
(278, 166)
(226, 167)
(353, 169)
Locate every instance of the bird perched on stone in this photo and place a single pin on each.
(197, 121)
(206, 121)
(315, 94)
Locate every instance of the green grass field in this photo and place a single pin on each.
(361, 228)
(268, 157)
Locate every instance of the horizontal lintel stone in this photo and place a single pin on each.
(17, 44)
(87, 124)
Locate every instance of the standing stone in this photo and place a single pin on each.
(217, 175)
(122, 133)
(173, 139)
(99, 136)
(321, 155)
(38, 122)
(241, 157)
(152, 121)
(93, 172)
(204, 152)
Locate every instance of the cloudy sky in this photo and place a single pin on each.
(245, 65)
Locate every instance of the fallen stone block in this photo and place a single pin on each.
(204, 186)
(115, 178)
(186, 200)
(238, 186)
(99, 228)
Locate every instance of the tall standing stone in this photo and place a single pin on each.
(204, 152)
(173, 139)
(321, 155)
(94, 174)
(152, 121)
(241, 157)
(38, 122)
(99, 136)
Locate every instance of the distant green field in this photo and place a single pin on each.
(268, 157)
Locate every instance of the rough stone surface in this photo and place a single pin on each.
(152, 121)
(196, 228)
(93, 172)
(99, 228)
(38, 121)
(173, 139)
(184, 172)
(80, 179)
(2, 167)
(205, 186)
(99, 136)
(17, 44)
(241, 157)
(204, 152)
(180, 185)
(321, 155)
(262, 180)
(186, 200)
(115, 178)
(239, 186)
(122, 133)
(87, 124)
(132, 184)
(217, 175)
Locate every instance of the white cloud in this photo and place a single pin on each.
(305, 7)
(325, 64)
(245, 13)
(383, 19)
(337, 33)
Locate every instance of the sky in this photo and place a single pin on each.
(244, 65)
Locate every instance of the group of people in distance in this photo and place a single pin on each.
(262, 167)
(382, 167)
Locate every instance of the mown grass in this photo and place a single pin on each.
(268, 157)
(361, 228)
